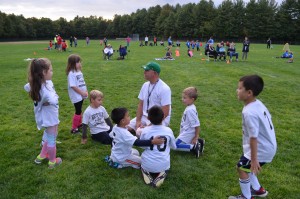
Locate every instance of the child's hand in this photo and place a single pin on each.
(195, 140)
(83, 140)
(158, 140)
(85, 95)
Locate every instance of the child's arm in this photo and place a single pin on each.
(155, 141)
(109, 123)
(80, 92)
(197, 131)
(255, 166)
(84, 134)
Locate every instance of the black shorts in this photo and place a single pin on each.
(245, 164)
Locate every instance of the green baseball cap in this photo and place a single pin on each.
(152, 66)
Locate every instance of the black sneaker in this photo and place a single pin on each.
(202, 143)
(196, 149)
(75, 131)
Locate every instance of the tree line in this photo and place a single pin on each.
(231, 20)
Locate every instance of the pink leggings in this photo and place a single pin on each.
(49, 146)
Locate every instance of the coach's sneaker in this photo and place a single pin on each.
(52, 165)
(196, 149)
(202, 143)
(259, 193)
(239, 197)
(39, 159)
(146, 176)
(159, 179)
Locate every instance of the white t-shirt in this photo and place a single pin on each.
(157, 157)
(46, 115)
(159, 94)
(75, 79)
(95, 119)
(110, 50)
(188, 123)
(122, 143)
(257, 123)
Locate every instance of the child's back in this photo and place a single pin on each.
(157, 158)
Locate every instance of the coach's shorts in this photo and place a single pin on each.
(245, 164)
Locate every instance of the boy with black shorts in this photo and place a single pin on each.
(259, 141)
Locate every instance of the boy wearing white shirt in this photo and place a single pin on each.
(259, 141)
(188, 139)
(156, 159)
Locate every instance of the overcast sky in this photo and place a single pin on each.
(69, 9)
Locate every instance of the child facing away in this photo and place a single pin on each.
(76, 88)
(156, 159)
(259, 141)
(122, 153)
(97, 119)
(188, 139)
(41, 91)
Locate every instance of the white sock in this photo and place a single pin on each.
(254, 181)
(245, 187)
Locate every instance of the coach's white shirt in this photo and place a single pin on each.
(75, 79)
(257, 123)
(188, 123)
(157, 158)
(122, 143)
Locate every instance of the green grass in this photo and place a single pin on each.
(84, 174)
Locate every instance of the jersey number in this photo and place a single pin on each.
(160, 147)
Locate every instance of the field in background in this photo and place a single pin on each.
(84, 174)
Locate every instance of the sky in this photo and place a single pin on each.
(69, 9)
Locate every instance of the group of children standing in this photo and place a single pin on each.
(259, 142)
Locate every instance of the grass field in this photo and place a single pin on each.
(84, 174)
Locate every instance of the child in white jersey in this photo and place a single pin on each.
(97, 119)
(259, 141)
(156, 159)
(122, 153)
(76, 88)
(45, 99)
(188, 139)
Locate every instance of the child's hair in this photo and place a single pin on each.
(72, 60)
(36, 76)
(191, 92)
(155, 115)
(117, 114)
(254, 83)
(94, 94)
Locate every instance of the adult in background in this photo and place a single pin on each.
(246, 45)
(170, 41)
(105, 41)
(128, 41)
(153, 92)
(71, 41)
(108, 51)
(269, 42)
(55, 42)
(146, 40)
(154, 41)
(59, 43)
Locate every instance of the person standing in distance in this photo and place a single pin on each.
(153, 92)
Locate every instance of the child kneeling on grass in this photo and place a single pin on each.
(156, 159)
(122, 153)
(97, 119)
(188, 139)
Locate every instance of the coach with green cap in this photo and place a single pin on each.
(153, 92)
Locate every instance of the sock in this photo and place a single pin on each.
(76, 121)
(254, 181)
(44, 150)
(245, 187)
(52, 154)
